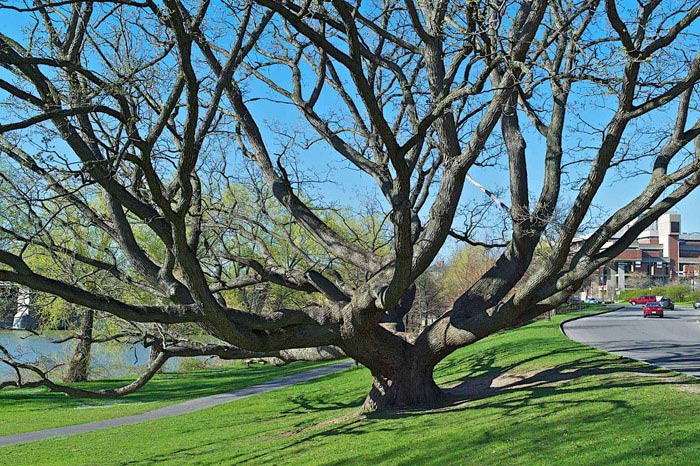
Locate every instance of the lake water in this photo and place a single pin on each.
(108, 359)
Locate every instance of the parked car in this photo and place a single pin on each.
(591, 300)
(653, 309)
(696, 304)
(643, 299)
(666, 303)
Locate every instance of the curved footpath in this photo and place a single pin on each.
(176, 409)
(671, 343)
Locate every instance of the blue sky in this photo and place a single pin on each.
(614, 193)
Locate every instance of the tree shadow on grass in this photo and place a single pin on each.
(193, 451)
(318, 400)
(532, 390)
(170, 387)
(306, 403)
(526, 388)
(506, 392)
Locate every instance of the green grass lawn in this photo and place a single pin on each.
(551, 401)
(27, 410)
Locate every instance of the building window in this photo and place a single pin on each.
(675, 227)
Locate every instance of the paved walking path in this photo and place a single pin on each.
(175, 409)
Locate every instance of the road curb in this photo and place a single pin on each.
(561, 326)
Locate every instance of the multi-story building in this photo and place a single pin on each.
(660, 254)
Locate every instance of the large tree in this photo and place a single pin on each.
(197, 136)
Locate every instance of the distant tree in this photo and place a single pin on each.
(638, 280)
(196, 137)
(79, 368)
(429, 303)
(8, 302)
(463, 270)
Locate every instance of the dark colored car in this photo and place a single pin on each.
(643, 300)
(666, 303)
(653, 309)
(696, 304)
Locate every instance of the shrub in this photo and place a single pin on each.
(675, 292)
(626, 295)
(193, 364)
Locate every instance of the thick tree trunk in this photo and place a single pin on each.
(411, 387)
(402, 375)
(80, 362)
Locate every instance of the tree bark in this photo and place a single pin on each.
(402, 375)
(410, 387)
(80, 362)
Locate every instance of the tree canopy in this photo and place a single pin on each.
(179, 151)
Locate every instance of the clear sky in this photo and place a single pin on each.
(614, 194)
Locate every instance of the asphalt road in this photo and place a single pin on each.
(672, 342)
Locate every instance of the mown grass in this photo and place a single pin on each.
(27, 410)
(567, 405)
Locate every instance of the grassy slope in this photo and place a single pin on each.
(575, 406)
(35, 409)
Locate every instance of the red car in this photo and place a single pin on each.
(653, 309)
(643, 300)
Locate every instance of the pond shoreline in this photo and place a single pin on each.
(108, 360)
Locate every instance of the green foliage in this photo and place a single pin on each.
(626, 295)
(193, 364)
(248, 223)
(675, 292)
(465, 267)
(8, 302)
